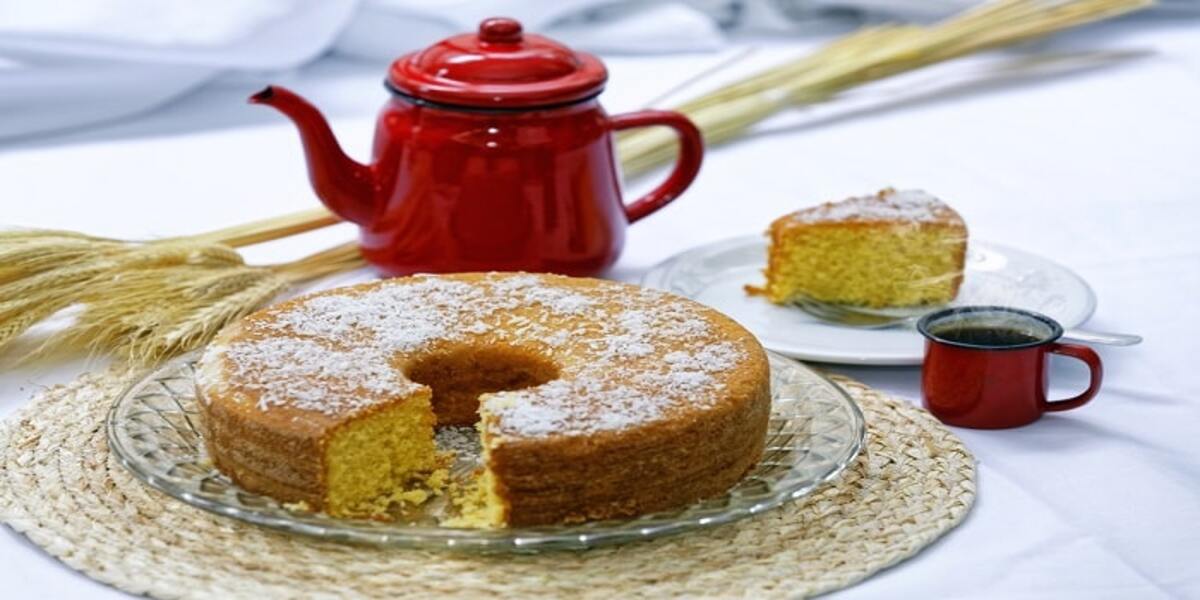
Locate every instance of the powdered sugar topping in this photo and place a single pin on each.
(554, 408)
(627, 356)
(887, 205)
(309, 375)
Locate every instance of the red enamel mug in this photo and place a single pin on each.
(491, 154)
(986, 366)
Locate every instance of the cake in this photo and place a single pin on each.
(893, 248)
(594, 399)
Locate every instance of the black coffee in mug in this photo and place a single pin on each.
(982, 335)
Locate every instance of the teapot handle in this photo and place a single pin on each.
(687, 165)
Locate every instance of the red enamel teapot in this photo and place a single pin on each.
(493, 153)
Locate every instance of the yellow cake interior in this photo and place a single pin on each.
(390, 456)
(480, 504)
(869, 265)
(374, 461)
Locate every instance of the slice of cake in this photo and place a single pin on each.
(893, 248)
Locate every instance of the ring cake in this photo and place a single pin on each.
(594, 399)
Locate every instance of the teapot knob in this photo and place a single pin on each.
(500, 30)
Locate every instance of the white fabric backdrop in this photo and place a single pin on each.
(68, 63)
(1095, 168)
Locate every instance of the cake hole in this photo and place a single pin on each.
(459, 375)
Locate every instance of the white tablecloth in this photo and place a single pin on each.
(1098, 168)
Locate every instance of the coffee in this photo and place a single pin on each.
(985, 366)
(980, 335)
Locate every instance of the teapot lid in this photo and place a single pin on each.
(498, 67)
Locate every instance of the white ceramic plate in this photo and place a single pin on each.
(715, 274)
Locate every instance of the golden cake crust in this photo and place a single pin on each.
(619, 400)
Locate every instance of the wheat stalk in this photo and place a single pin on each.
(268, 229)
(860, 58)
(146, 301)
(140, 301)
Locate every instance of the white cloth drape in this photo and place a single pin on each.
(69, 63)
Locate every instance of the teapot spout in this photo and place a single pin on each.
(347, 187)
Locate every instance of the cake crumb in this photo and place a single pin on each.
(300, 506)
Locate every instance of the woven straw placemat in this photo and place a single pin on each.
(60, 486)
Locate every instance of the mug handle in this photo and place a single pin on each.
(1088, 356)
(691, 152)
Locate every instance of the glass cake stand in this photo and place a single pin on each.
(815, 431)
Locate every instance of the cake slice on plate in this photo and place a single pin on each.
(893, 248)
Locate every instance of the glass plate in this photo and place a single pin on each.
(815, 431)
